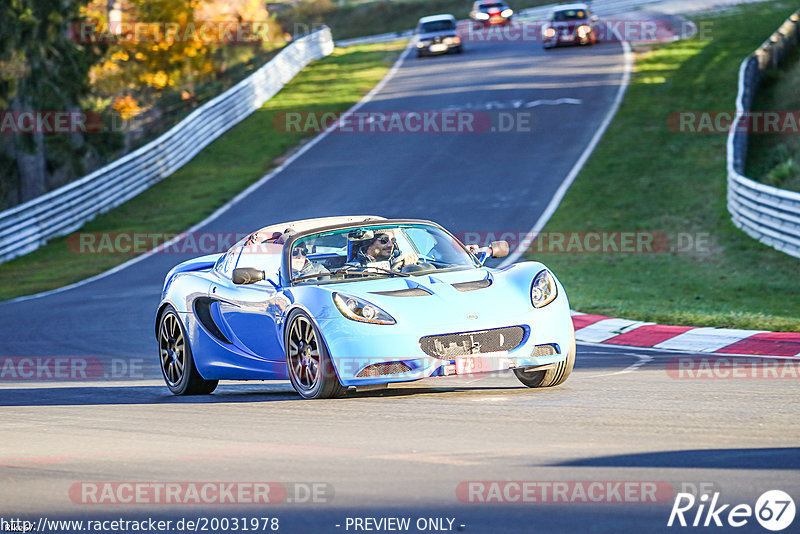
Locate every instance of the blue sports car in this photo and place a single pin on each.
(343, 302)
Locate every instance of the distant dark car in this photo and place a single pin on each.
(570, 24)
(436, 34)
(487, 13)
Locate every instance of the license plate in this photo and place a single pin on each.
(438, 47)
(482, 363)
(497, 19)
(567, 37)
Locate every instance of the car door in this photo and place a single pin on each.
(249, 312)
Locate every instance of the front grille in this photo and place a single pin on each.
(544, 350)
(379, 369)
(449, 346)
(472, 286)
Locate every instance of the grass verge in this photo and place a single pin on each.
(644, 177)
(775, 158)
(222, 170)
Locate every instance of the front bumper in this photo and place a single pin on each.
(354, 346)
(433, 49)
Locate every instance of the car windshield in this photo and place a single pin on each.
(569, 14)
(376, 251)
(436, 26)
(492, 6)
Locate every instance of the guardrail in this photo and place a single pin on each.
(768, 214)
(26, 227)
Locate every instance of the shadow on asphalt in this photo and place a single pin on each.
(784, 458)
(100, 395)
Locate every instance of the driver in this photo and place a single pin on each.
(381, 251)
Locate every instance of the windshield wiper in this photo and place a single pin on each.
(308, 276)
(351, 269)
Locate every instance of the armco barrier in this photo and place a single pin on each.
(768, 214)
(26, 227)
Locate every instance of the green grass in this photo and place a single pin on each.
(213, 177)
(644, 177)
(775, 158)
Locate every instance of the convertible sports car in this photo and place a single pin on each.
(338, 302)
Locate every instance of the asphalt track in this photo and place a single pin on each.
(403, 451)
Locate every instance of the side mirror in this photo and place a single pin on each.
(499, 249)
(594, 18)
(247, 275)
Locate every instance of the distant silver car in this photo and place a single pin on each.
(437, 34)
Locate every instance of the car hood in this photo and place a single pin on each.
(444, 299)
(569, 24)
(430, 36)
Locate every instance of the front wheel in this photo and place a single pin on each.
(308, 363)
(175, 356)
(553, 376)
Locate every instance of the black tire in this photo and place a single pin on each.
(553, 376)
(176, 359)
(419, 54)
(307, 360)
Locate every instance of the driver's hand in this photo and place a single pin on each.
(406, 258)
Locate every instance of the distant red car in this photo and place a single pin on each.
(570, 24)
(487, 13)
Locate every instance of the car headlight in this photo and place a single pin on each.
(423, 44)
(543, 289)
(360, 310)
(451, 40)
(549, 32)
(584, 30)
(481, 15)
(507, 13)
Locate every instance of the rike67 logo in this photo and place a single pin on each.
(774, 510)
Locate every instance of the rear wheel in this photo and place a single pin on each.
(175, 356)
(309, 365)
(553, 376)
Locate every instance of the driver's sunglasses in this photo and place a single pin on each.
(384, 239)
(298, 252)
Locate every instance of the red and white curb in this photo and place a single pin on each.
(612, 331)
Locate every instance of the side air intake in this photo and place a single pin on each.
(380, 369)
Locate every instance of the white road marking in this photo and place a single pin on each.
(641, 359)
(513, 104)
